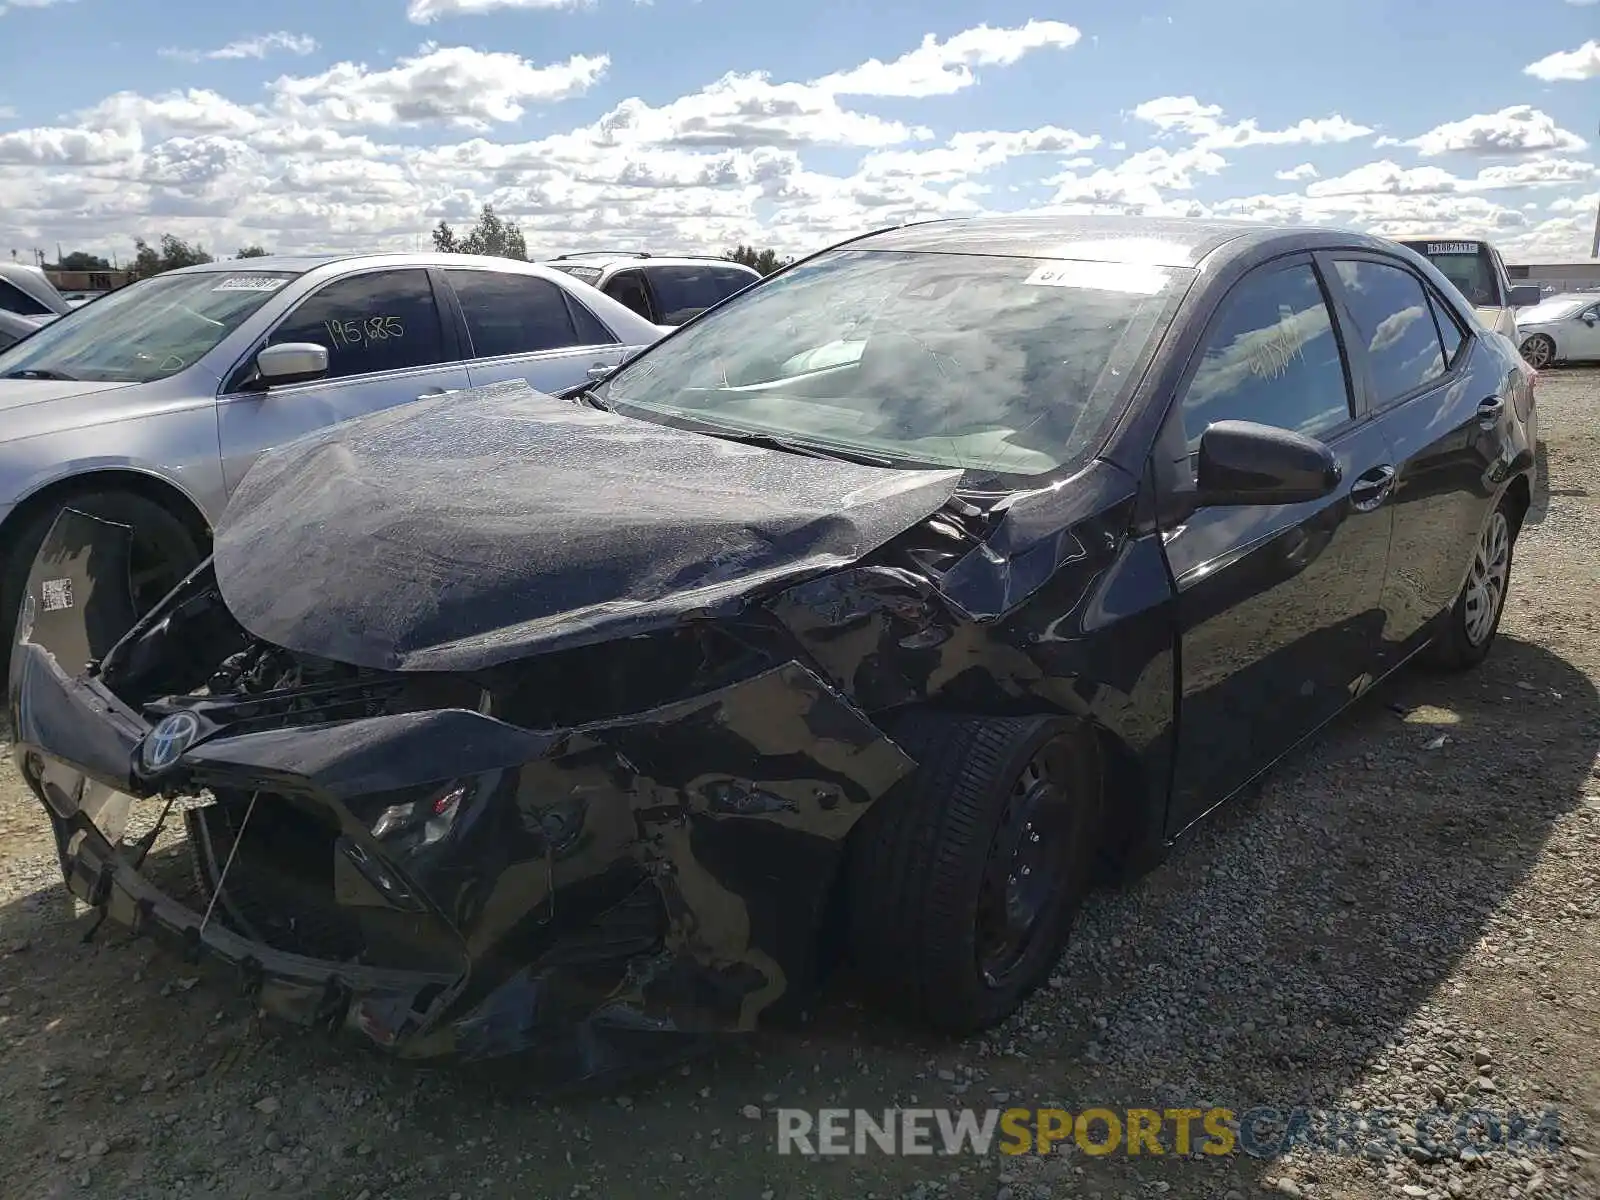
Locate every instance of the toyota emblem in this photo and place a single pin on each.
(168, 741)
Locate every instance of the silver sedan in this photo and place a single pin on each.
(147, 407)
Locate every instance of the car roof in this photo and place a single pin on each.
(614, 258)
(300, 264)
(1153, 241)
(35, 283)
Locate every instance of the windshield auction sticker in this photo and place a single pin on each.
(1136, 278)
(1453, 247)
(249, 283)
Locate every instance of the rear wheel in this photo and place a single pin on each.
(164, 551)
(964, 880)
(1539, 351)
(1474, 619)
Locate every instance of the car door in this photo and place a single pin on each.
(1582, 338)
(386, 344)
(629, 288)
(1277, 605)
(520, 326)
(1414, 362)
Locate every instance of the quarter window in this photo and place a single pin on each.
(1449, 332)
(513, 314)
(382, 321)
(1390, 313)
(1270, 357)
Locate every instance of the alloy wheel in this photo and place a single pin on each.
(1486, 585)
(1538, 351)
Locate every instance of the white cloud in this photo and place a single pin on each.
(370, 155)
(1568, 65)
(1519, 129)
(453, 85)
(938, 68)
(7, 5)
(968, 154)
(1185, 114)
(251, 47)
(425, 12)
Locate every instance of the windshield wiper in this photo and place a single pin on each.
(43, 373)
(768, 441)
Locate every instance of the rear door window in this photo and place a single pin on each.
(514, 314)
(379, 321)
(683, 292)
(1393, 321)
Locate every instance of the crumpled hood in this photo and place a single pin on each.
(459, 532)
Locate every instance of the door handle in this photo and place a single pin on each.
(1372, 488)
(1489, 412)
(598, 371)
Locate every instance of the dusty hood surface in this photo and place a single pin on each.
(468, 530)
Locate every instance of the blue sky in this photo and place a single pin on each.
(304, 125)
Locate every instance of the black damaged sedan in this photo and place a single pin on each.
(885, 607)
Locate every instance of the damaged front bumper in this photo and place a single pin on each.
(451, 883)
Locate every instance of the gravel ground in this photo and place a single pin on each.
(1405, 917)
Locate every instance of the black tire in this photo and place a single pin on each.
(1538, 351)
(925, 857)
(165, 549)
(1464, 643)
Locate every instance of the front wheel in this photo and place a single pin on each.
(1539, 351)
(1474, 619)
(963, 881)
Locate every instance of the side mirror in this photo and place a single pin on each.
(1525, 295)
(292, 362)
(1243, 463)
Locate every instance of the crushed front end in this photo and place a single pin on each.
(586, 856)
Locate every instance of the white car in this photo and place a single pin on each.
(1479, 274)
(1563, 328)
(28, 292)
(666, 291)
(13, 327)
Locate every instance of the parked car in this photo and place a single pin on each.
(1479, 273)
(1563, 328)
(667, 291)
(151, 403)
(28, 292)
(13, 328)
(577, 726)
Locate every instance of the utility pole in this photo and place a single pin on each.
(1594, 249)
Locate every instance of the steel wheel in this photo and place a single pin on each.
(1538, 351)
(1027, 870)
(1486, 585)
